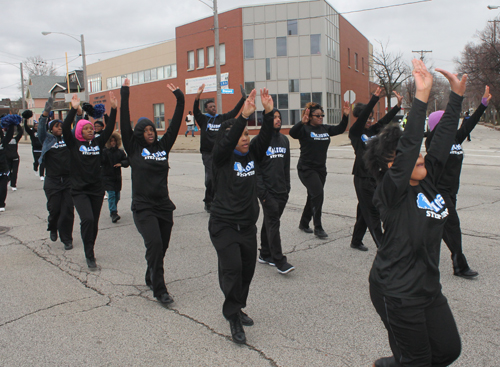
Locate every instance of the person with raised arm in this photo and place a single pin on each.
(404, 280)
(56, 158)
(449, 184)
(36, 145)
(151, 205)
(87, 189)
(314, 138)
(12, 154)
(209, 124)
(360, 133)
(235, 208)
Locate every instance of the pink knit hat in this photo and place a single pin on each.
(434, 118)
(79, 128)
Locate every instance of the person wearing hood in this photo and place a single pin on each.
(360, 133)
(56, 158)
(235, 208)
(5, 137)
(314, 138)
(151, 205)
(86, 181)
(209, 124)
(273, 187)
(449, 184)
(12, 155)
(36, 145)
(113, 159)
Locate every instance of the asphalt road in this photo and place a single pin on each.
(55, 312)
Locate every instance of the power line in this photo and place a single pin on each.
(384, 7)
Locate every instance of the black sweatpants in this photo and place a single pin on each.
(60, 207)
(452, 234)
(14, 169)
(4, 180)
(156, 231)
(209, 190)
(36, 156)
(89, 210)
(367, 215)
(236, 248)
(422, 332)
(270, 239)
(314, 181)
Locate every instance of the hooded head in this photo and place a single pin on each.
(79, 128)
(434, 118)
(277, 121)
(117, 137)
(143, 132)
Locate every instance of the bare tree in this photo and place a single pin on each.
(390, 69)
(37, 66)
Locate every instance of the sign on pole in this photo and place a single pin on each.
(350, 96)
(210, 82)
(227, 91)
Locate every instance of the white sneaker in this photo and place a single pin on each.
(105, 197)
(14, 188)
(2, 209)
(42, 178)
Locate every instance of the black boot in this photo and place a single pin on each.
(385, 362)
(461, 267)
(237, 331)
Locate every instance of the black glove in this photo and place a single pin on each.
(48, 105)
(243, 93)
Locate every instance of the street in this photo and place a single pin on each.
(55, 312)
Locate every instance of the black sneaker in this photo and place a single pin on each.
(165, 298)
(305, 229)
(359, 247)
(53, 235)
(285, 268)
(68, 245)
(385, 362)
(267, 260)
(115, 217)
(245, 319)
(91, 263)
(237, 331)
(320, 233)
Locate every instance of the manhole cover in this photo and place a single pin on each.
(4, 230)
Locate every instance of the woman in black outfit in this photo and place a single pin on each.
(86, 181)
(36, 145)
(56, 158)
(13, 157)
(235, 208)
(314, 140)
(404, 279)
(151, 204)
(6, 134)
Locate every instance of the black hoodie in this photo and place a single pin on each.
(4, 166)
(149, 163)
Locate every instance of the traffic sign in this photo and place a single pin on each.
(227, 91)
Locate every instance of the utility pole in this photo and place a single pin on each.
(217, 57)
(84, 62)
(22, 85)
(494, 29)
(422, 52)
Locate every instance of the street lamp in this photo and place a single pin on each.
(493, 7)
(84, 61)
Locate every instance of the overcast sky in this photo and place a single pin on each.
(443, 26)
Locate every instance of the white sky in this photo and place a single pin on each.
(443, 26)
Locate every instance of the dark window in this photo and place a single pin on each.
(292, 27)
(305, 98)
(268, 69)
(260, 118)
(349, 57)
(281, 46)
(356, 61)
(284, 117)
(249, 86)
(315, 44)
(316, 97)
(294, 117)
(275, 101)
(293, 85)
(248, 45)
(283, 101)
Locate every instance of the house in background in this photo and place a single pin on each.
(38, 92)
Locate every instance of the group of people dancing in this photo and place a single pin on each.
(407, 202)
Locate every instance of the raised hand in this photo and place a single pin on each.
(399, 97)
(486, 96)
(249, 106)
(305, 116)
(378, 91)
(48, 105)
(112, 99)
(200, 91)
(266, 100)
(126, 82)
(346, 108)
(423, 80)
(172, 87)
(457, 85)
(75, 101)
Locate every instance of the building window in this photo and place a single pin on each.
(135, 78)
(356, 61)
(108, 83)
(283, 101)
(190, 60)
(168, 71)
(147, 75)
(292, 29)
(281, 46)
(249, 86)
(349, 57)
(94, 83)
(153, 74)
(315, 44)
(248, 47)
(268, 69)
(222, 53)
(160, 72)
(201, 58)
(363, 65)
(293, 85)
(210, 56)
(159, 113)
(294, 117)
(274, 98)
(174, 70)
(305, 98)
(316, 97)
(284, 117)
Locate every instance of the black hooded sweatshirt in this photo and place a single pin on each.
(11, 148)
(209, 125)
(111, 175)
(36, 145)
(86, 157)
(4, 166)
(149, 163)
